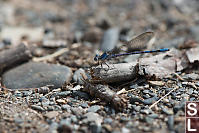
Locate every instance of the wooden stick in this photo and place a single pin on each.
(48, 57)
(104, 93)
(112, 73)
(14, 56)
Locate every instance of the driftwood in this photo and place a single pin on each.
(112, 73)
(14, 56)
(104, 93)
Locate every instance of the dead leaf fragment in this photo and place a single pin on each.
(193, 54)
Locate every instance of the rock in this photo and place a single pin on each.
(167, 111)
(26, 93)
(170, 122)
(191, 76)
(84, 105)
(93, 117)
(77, 77)
(135, 99)
(54, 43)
(51, 114)
(146, 111)
(156, 83)
(154, 116)
(146, 91)
(61, 101)
(34, 75)
(195, 32)
(62, 94)
(136, 108)
(125, 130)
(81, 95)
(95, 128)
(131, 58)
(190, 91)
(78, 111)
(93, 35)
(66, 107)
(36, 107)
(108, 120)
(172, 43)
(110, 39)
(148, 119)
(64, 126)
(94, 108)
(56, 108)
(15, 34)
(150, 100)
(53, 127)
(73, 119)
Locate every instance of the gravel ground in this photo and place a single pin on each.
(62, 89)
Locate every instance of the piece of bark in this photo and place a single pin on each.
(104, 93)
(14, 56)
(112, 73)
(162, 65)
(193, 54)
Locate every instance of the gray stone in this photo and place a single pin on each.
(77, 77)
(172, 43)
(95, 128)
(190, 91)
(66, 107)
(38, 108)
(131, 58)
(191, 76)
(134, 99)
(33, 75)
(150, 100)
(108, 120)
(81, 94)
(170, 122)
(94, 108)
(195, 32)
(53, 127)
(93, 117)
(84, 105)
(110, 39)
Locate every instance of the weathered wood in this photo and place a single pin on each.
(14, 56)
(107, 95)
(112, 73)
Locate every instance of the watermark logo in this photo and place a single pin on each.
(192, 117)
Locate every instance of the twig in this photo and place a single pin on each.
(48, 57)
(104, 93)
(14, 56)
(161, 98)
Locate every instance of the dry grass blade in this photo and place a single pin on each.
(162, 98)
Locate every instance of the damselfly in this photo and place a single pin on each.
(138, 41)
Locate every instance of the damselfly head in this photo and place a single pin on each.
(96, 58)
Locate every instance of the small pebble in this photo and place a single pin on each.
(150, 100)
(171, 122)
(39, 108)
(94, 108)
(84, 105)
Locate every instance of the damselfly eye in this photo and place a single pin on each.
(96, 57)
